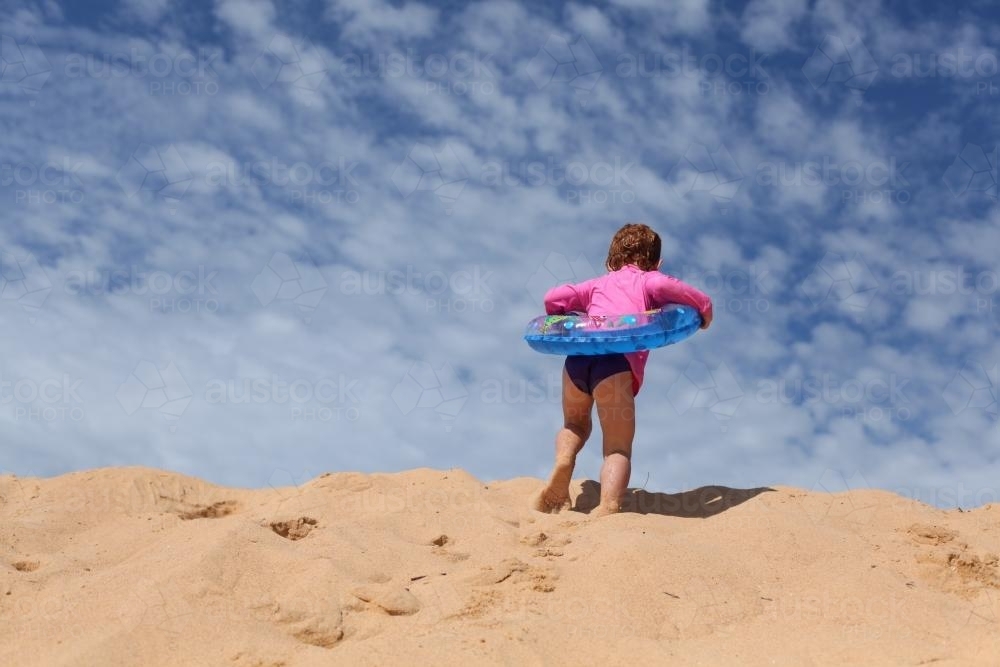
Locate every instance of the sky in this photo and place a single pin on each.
(255, 241)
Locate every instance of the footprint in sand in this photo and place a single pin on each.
(294, 529)
(213, 511)
(535, 539)
(303, 614)
(491, 586)
(392, 599)
(975, 570)
(928, 534)
(517, 572)
(438, 548)
(546, 546)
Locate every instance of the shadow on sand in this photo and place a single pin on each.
(699, 503)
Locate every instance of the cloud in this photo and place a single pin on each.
(365, 20)
(147, 11)
(768, 25)
(687, 16)
(591, 22)
(251, 18)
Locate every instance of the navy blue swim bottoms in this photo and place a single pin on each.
(586, 372)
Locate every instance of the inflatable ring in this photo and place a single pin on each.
(580, 334)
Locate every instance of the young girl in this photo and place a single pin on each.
(633, 284)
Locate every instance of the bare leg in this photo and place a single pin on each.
(616, 411)
(576, 429)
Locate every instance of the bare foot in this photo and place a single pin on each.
(551, 502)
(555, 496)
(605, 509)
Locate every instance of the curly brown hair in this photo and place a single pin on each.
(637, 244)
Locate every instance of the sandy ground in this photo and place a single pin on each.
(132, 566)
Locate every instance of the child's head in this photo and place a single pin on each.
(634, 244)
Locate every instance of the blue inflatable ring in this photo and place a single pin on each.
(580, 334)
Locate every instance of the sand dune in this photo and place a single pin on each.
(131, 566)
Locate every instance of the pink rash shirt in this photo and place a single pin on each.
(627, 290)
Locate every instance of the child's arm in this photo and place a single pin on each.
(568, 298)
(662, 289)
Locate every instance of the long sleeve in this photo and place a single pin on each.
(568, 298)
(662, 289)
